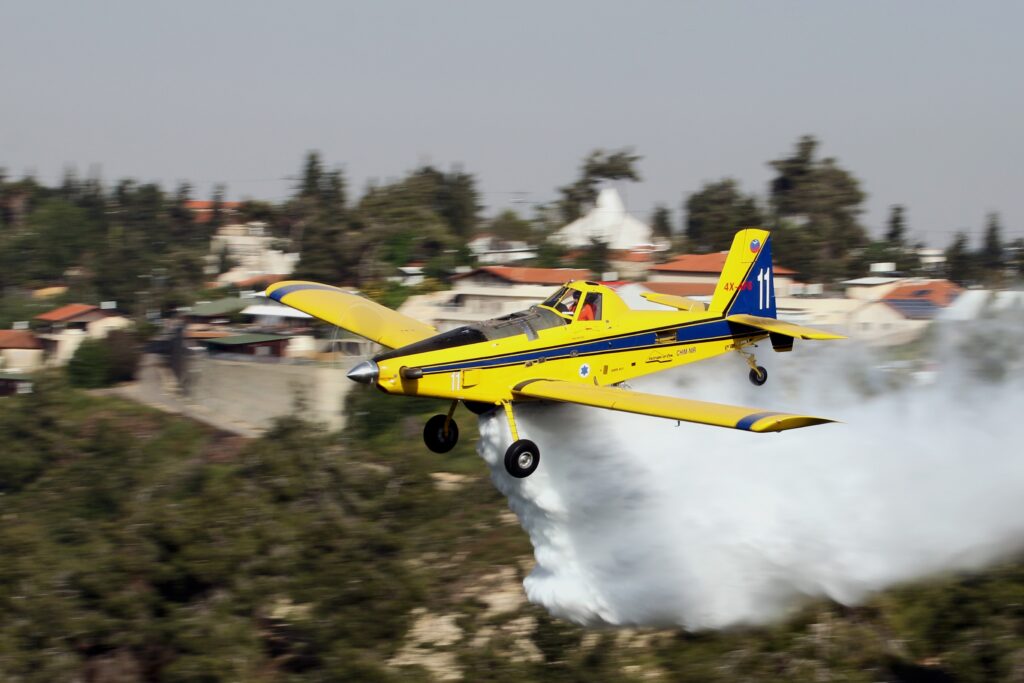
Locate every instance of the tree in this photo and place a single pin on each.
(992, 252)
(508, 226)
(824, 200)
(598, 166)
(594, 258)
(896, 233)
(960, 263)
(716, 211)
(217, 209)
(661, 222)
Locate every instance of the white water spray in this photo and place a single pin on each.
(637, 521)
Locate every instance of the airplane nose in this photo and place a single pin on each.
(364, 373)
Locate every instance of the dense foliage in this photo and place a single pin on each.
(140, 546)
(103, 362)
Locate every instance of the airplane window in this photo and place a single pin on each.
(567, 304)
(591, 307)
(553, 299)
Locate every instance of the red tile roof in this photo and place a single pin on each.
(205, 205)
(938, 292)
(532, 276)
(632, 256)
(704, 263)
(65, 313)
(681, 288)
(18, 339)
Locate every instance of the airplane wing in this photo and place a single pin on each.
(351, 312)
(679, 302)
(702, 412)
(782, 327)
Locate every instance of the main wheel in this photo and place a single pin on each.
(522, 458)
(478, 407)
(758, 376)
(434, 435)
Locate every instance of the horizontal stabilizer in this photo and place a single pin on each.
(782, 327)
(679, 302)
(351, 312)
(687, 410)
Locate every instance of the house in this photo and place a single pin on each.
(493, 250)
(922, 299)
(871, 288)
(12, 382)
(218, 311)
(707, 268)
(202, 210)
(633, 264)
(63, 329)
(607, 222)
(489, 292)
(20, 351)
(252, 249)
(265, 345)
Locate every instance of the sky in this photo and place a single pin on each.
(921, 101)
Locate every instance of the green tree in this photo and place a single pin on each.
(824, 200)
(599, 165)
(661, 222)
(896, 231)
(716, 211)
(508, 226)
(960, 261)
(993, 256)
(594, 258)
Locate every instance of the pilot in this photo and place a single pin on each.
(568, 304)
(587, 312)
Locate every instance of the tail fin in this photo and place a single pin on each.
(747, 284)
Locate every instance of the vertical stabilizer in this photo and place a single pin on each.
(747, 282)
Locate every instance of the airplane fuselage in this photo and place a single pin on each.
(598, 352)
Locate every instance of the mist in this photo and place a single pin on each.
(638, 521)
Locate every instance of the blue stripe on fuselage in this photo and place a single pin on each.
(691, 333)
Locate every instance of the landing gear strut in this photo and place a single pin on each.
(441, 433)
(523, 456)
(758, 375)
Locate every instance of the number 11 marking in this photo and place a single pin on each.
(764, 288)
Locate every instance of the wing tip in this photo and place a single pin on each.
(780, 422)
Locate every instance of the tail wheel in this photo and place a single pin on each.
(758, 376)
(436, 438)
(522, 458)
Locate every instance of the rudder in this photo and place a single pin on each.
(747, 282)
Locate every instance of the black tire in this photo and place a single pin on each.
(758, 376)
(522, 458)
(479, 408)
(434, 436)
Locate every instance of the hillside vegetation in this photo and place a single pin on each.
(137, 546)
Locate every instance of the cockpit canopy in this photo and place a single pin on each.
(561, 308)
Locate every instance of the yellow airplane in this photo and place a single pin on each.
(578, 346)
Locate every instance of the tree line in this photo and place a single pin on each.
(140, 245)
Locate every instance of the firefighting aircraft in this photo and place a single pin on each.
(578, 346)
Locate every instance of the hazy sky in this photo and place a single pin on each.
(922, 101)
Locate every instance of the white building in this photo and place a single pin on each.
(63, 329)
(607, 222)
(491, 250)
(250, 246)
